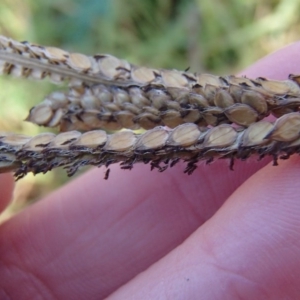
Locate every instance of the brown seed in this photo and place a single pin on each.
(16, 140)
(240, 81)
(173, 78)
(57, 100)
(92, 139)
(210, 93)
(192, 116)
(56, 54)
(286, 128)
(184, 135)
(173, 105)
(63, 140)
(152, 110)
(138, 98)
(219, 137)
(102, 93)
(36, 50)
(125, 119)
(96, 120)
(120, 96)
(109, 66)
(111, 107)
(255, 134)
(57, 117)
(89, 101)
(72, 123)
(255, 100)
(158, 97)
(211, 115)
(198, 100)
(131, 108)
(121, 141)
(223, 99)
(147, 120)
(279, 87)
(241, 114)
(40, 114)
(152, 139)
(39, 142)
(178, 93)
(208, 79)
(143, 75)
(172, 118)
(79, 62)
(236, 92)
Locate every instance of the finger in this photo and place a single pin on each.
(6, 190)
(249, 249)
(277, 65)
(114, 229)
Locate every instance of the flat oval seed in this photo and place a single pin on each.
(241, 114)
(223, 99)
(15, 139)
(79, 62)
(39, 142)
(279, 87)
(18, 46)
(138, 99)
(236, 92)
(56, 54)
(125, 119)
(63, 140)
(147, 120)
(198, 100)
(57, 100)
(286, 128)
(92, 139)
(173, 78)
(40, 114)
(152, 139)
(57, 117)
(184, 135)
(143, 75)
(208, 79)
(221, 136)
(109, 66)
(192, 116)
(172, 118)
(255, 134)
(255, 100)
(120, 141)
(241, 81)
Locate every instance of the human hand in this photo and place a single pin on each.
(216, 234)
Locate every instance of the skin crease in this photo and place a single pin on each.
(216, 234)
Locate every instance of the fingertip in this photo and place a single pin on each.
(6, 190)
(277, 65)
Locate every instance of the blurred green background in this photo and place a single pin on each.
(208, 36)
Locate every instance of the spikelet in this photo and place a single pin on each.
(187, 116)
(159, 146)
